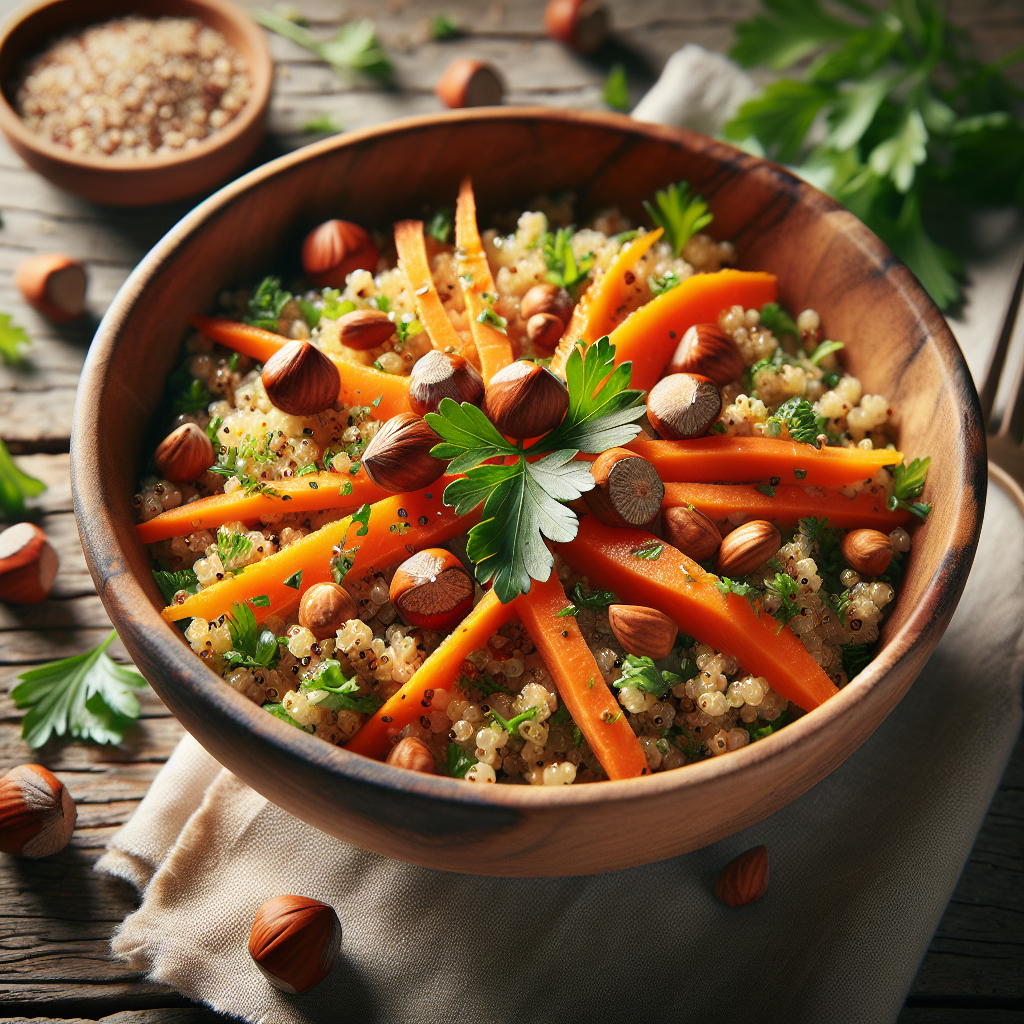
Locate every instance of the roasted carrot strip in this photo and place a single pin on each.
(492, 346)
(721, 459)
(412, 258)
(684, 591)
(649, 336)
(787, 505)
(438, 672)
(580, 683)
(360, 385)
(313, 493)
(600, 308)
(395, 530)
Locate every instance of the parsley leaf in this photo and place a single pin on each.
(826, 348)
(856, 658)
(251, 647)
(294, 581)
(616, 88)
(266, 303)
(665, 283)
(564, 269)
(680, 216)
(15, 486)
(726, 586)
(87, 696)
(779, 322)
(12, 337)
(909, 483)
(321, 124)
(651, 551)
(798, 415)
(442, 27)
(468, 437)
(439, 226)
(644, 675)
(459, 761)
(278, 711)
(785, 588)
(195, 397)
(232, 548)
(600, 415)
(598, 600)
(171, 582)
(340, 690)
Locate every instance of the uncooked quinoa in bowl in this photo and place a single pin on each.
(527, 503)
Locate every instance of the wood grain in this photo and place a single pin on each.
(37, 217)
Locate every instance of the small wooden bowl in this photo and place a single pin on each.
(127, 182)
(896, 342)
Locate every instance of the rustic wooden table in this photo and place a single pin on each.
(56, 915)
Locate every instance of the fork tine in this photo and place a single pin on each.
(994, 369)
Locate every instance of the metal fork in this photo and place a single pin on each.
(1005, 451)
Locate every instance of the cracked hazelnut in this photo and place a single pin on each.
(683, 405)
(439, 375)
(432, 589)
(582, 25)
(54, 285)
(628, 492)
(470, 83)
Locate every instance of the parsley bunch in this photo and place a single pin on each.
(910, 115)
(526, 502)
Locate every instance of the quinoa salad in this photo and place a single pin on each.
(514, 505)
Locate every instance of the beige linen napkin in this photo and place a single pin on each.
(861, 869)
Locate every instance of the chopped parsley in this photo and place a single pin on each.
(651, 551)
(785, 588)
(278, 711)
(489, 316)
(170, 583)
(766, 489)
(826, 348)
(342, 693)
(665, 283)
(598, 600)
(294, 581)
(644, 675)
(231, 547)
(775, 319)
(12, 338)
(15, 487)
(856, 658)
(266, 303)
(459, 761)
(909, 483)
(680, 216)
(193, 398)
(439, 226)
(616, 88)
(799, 417)
(564, 269)
(251, 647)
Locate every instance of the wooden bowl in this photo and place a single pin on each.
(125, 182)
(896, 342)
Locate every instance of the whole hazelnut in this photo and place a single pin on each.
(628, 492)
(470, 83)
(747, 547)
(439, 375)
(185, 454)
(299, 379)
(432, 589)
(334, 250)
(413, 754)
(525, 400)
(683, 405)
(398, 458)
(364, 329)
(37, 814)
(294, 942)
(706, 350)
(582, 25)
(53, 284)
(28, 565)
(325, 608)
(869, 552)
(547, 298)
(644, 632)
(545, 330)
(690, 531)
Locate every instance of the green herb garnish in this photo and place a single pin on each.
(785, 588)
(459, 761)
(616, 88)
(170, 583)
(778, 321)
(440, 225)
(680, 216)
(651, 551)
(826, 348)
(251, 647)
(564, 269)
(798, 415)
(909, 483)
(321, 124)
(15, 486)
(265, 305)
(644, 675)
(12, 338)
(341, 690)
(443, 28)
(294, 581)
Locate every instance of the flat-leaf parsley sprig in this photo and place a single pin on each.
(909, 483)
(524, 501)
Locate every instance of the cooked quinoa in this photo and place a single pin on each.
(710, 704)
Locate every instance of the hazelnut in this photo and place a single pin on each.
(547, 298)
(37, 814)
(334, 250)
(432, 589)
(867, 551)
(363, 329)
(294, 942)
(628, 492)
(54, 285)
(185, 454)
(412, 754)
(398, 458)
(299, 379)
(642, 631)
(439, 375)
(705, 349)
(545, 330)
(325, 608)
(582, 25)
(745, 879)
(470, 83)
(690, 532)
(747, 547)
(683, 405)
(28, 565)
(525, 400)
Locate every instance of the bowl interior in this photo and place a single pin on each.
(896, 343)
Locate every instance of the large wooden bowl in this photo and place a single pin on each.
(896, 342)
(158, 179)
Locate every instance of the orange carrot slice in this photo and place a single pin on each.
(787, 505)
(721, 459)
(600, 309)
(315, 492)
(438, 672)
(580, 683)
(360, 385)
(412, 258)
(492, 346)
(649, 336)
(398, 526)
(684, 591)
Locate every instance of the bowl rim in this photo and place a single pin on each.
(261, 72)
(121, 590)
